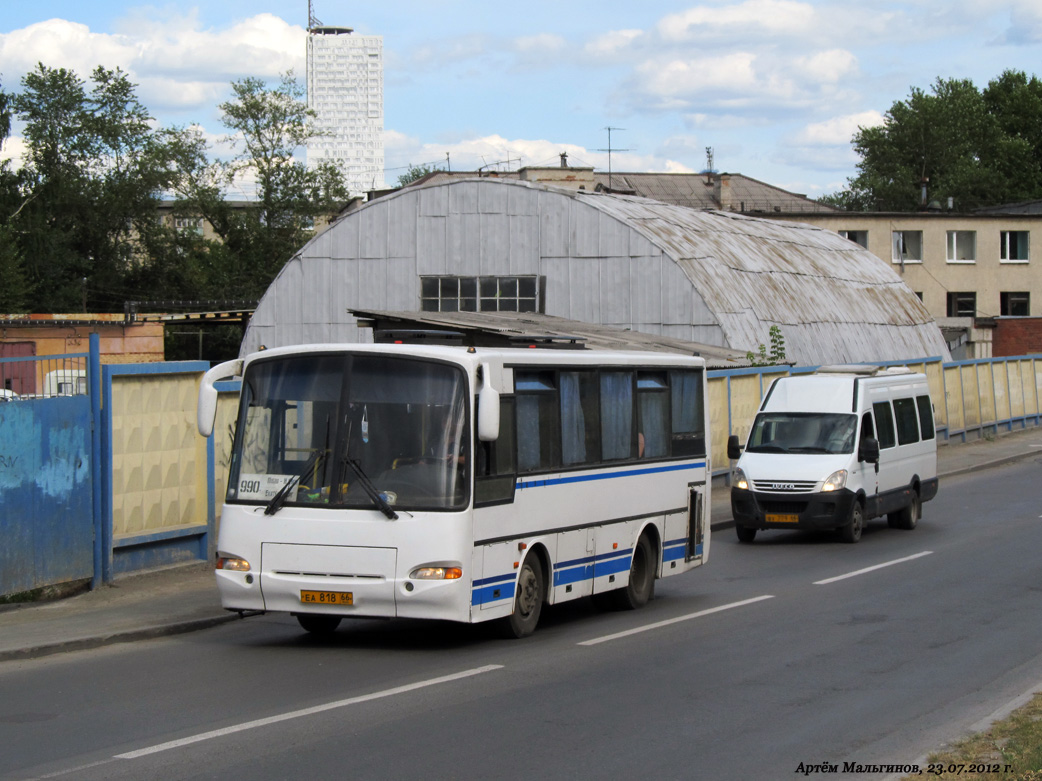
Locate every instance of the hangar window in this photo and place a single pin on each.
(908, 246)
(482, 294)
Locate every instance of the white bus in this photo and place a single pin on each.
(458, 483)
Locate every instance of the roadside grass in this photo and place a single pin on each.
(1010, 750)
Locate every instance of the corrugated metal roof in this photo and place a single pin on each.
(535, 327)
(829, 296)
(617, 260)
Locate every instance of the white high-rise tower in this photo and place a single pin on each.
(346, 92)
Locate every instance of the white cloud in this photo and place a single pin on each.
(13, 150)
(828, 67)
(838, 130)
(748, 19)
(175, 62)
(613, 43)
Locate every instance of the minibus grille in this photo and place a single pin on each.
(785, 486)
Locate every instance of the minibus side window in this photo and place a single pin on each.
(925, 416)
(907, 422)
(884, 424)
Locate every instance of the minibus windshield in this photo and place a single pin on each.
(358, 431)
(802, 432)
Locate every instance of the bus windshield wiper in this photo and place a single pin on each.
(279, 499)
(370, 489)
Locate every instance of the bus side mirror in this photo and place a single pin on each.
(488, 408)
(869, 450)
(207, 410)
(734, 448)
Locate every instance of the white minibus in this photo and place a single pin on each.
(832, 449)
(458, 483)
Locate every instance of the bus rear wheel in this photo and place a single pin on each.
(528, 599)
(641, 586)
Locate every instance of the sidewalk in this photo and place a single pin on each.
(184, 598)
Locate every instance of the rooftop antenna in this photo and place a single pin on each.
(609, 150)
(313, 21)
(709, 160)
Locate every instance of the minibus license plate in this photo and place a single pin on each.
(327, 597)
(782, 518)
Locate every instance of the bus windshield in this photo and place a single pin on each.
(802, 432)
(352, 431)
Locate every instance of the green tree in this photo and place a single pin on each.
(950, 140)
(416, 172)
(268, 125)
(90, 183)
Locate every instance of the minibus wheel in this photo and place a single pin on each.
(907, 517)
(318, 624)
(528, 600)
(745, 533)
(852, 531)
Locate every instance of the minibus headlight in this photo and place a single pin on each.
(740, 480)
(835, 481)
(436, 573)
(233, 563)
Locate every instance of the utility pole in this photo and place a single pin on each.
(609, 150)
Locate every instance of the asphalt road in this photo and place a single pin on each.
(796, 649)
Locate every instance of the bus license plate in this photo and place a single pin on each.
(782, 518)
(326, 597)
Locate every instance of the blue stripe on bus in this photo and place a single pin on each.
(522, 484)
(575, 571)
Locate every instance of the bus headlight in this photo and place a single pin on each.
(740, 480)
(436, 573)
(233, 564)
(835, 481)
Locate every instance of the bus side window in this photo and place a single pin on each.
(537, 421)
(653, 411)
(688, 413)
(884, 424)
(496, 466)
(580, 418)
(617, 434)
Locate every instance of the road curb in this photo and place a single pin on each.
(129, 636)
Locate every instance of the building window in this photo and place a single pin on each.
(1014, 304)
(962, 305)
(189, 224)
(962, 246)
(908, 246)
(1014, 247)
(484, 294)
(858, 237)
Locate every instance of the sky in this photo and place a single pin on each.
(776, 88)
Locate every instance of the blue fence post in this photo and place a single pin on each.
(94, 373)
(106, 475)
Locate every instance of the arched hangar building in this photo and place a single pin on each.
(714, 278)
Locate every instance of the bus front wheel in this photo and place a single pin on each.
(318, 624)
(528, 599)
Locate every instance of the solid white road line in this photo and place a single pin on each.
(677, 620)
(217, 733)
(872, 569)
